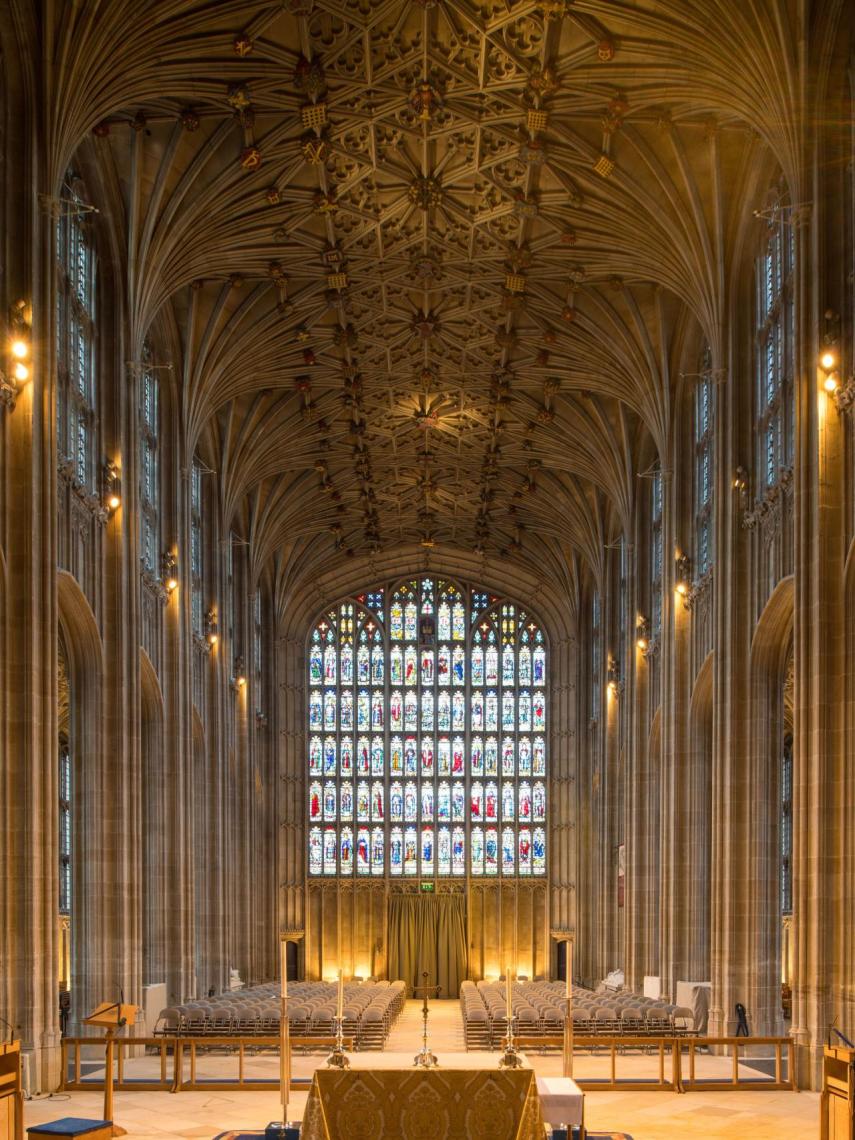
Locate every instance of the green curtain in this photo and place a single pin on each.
(428, 932)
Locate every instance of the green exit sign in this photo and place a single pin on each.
(427, 888)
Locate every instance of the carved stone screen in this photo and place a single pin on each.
(427, 735)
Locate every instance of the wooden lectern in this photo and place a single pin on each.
(111, 1017)
(837, 1103)
(11, 1092)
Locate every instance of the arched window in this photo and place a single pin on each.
(77, 396)
(258, 652)
(64, 778)
(704, 428)
(596, 657)
(197, 551)
(787, 826)
(656, 553)
(149, 426)
(427, 735)
(774, 347)
(64, 784)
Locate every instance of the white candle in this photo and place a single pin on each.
(340, 1008)
(508, 1001)
(284, 1044)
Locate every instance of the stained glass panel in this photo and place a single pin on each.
(426, 710)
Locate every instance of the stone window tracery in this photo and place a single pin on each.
(704, 440)
(426, 737)
(774, 347)
(787, 826)
(596, 657)
(197, 552)
(656, 540)
(149, 427)
(77, 395)
(64, 827)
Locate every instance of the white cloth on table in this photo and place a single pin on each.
(561, 1100)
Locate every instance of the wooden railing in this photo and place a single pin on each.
(678, 1061)
(676, 1056)
(177, 1054)
(781, 1046)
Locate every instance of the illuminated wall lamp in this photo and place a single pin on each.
(828, 364)
(642, 633)
(212, 634)
(684, 575)
(18, 351)
(239, 680)
(169, 572)
(829, 358)
(112, 487)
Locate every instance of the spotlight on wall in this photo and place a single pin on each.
(212, 633)
(828, 363)
(642, 633)
(829, 357)
(684, 575)
(614, 685)
(169, 571)
(111, 487)
(17, 370)
(239, 679)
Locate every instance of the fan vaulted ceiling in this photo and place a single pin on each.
(425, 270)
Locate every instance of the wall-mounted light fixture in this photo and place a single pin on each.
(642, 633)
(169, 571)
(683, 582)
(17, 367)
(239, 679)
(613, 676)
(212, 633)
(829, 357)
(111, 487)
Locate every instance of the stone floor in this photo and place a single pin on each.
(644, 1115)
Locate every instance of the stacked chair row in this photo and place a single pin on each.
(540, 1010)
(370, 1011)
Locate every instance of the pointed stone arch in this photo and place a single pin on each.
(771, 651)
(91, 969)
(700, 759)
(154, 855)
(651, 903)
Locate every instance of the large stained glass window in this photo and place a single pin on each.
(77, 394)
(775, 342)
(427, 730)
(704, 468)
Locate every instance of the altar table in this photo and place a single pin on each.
(383, 1097)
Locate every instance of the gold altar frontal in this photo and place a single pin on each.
(462, 1099)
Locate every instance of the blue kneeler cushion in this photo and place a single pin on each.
(70, 1126)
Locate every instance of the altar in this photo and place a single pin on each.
(383, 1094)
